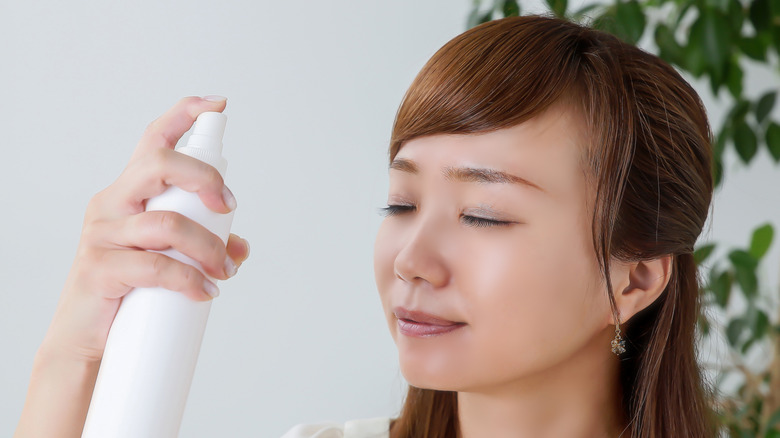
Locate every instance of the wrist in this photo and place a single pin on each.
(78, 330)
(54, 350)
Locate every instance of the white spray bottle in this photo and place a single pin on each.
(154, 341)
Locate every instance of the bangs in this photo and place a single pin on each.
(494, 76)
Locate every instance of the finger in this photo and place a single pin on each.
(166, 131)
(123, 270)
(157, 171)
(237, 249)
(162, 230)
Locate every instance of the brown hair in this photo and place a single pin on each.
(648, 158)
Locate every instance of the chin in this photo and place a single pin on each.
(432, 375)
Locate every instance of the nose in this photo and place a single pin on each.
(421, 259)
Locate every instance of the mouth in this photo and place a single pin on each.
(420, 324)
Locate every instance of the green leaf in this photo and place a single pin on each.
(717, 36)
(558, 7)
(761, 240)
(630, 21)
(720, 285)
(774, 33)
(734, 78)
(745, 271)
(701, 253)
(743, 259)
(760, 325)
(723, 137)
(606, 21)
(736, 14)
(670, 49)
(757, 324)
(745, 141)
(734, 331)
(511, 8)
(696, 60)
(760, 15)
(747, 280)
(738, 111)
(717, 170)
(773, 140)
(765, 105)
(754, 47)
(709, 46)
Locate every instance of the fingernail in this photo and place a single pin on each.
(211, 289)
(214, 98)
(246, 242)
(228, 198)
(230, 267)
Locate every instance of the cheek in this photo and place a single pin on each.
(535, 298)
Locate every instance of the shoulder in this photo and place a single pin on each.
(370, 428)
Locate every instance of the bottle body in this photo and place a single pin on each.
(153, 345)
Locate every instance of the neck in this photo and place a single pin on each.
(577, 398)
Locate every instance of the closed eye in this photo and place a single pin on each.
(481, 222)
(392, 210)
(472, 221)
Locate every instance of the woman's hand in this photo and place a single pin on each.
(112, 259)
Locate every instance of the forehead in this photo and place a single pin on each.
(546, 150)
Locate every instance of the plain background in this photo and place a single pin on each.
(298, 335)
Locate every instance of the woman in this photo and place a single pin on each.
(547, 185)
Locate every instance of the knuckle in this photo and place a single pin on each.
(89, 232)
(153, 127)
(216, 253)
(190, 277)
(216, 246)
(160, 159)
(156, 130)
(96, 198)
(96, 201)
(209, 175)
(158, 264)
(168, 221)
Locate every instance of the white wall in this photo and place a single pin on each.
(298, 335)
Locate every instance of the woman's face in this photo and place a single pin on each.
(485, 265)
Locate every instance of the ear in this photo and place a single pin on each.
(638, 284)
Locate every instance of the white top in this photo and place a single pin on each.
(371, 428)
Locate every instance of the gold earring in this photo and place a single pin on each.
(618, 344)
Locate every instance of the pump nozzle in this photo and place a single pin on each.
(205, 142)
(207, 131)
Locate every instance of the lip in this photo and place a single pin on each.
(420, 324)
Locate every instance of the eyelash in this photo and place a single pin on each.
(472, 221)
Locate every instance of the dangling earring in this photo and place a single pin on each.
(618, 344)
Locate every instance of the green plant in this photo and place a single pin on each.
(714, 40)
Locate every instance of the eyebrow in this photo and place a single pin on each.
(468, 174)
